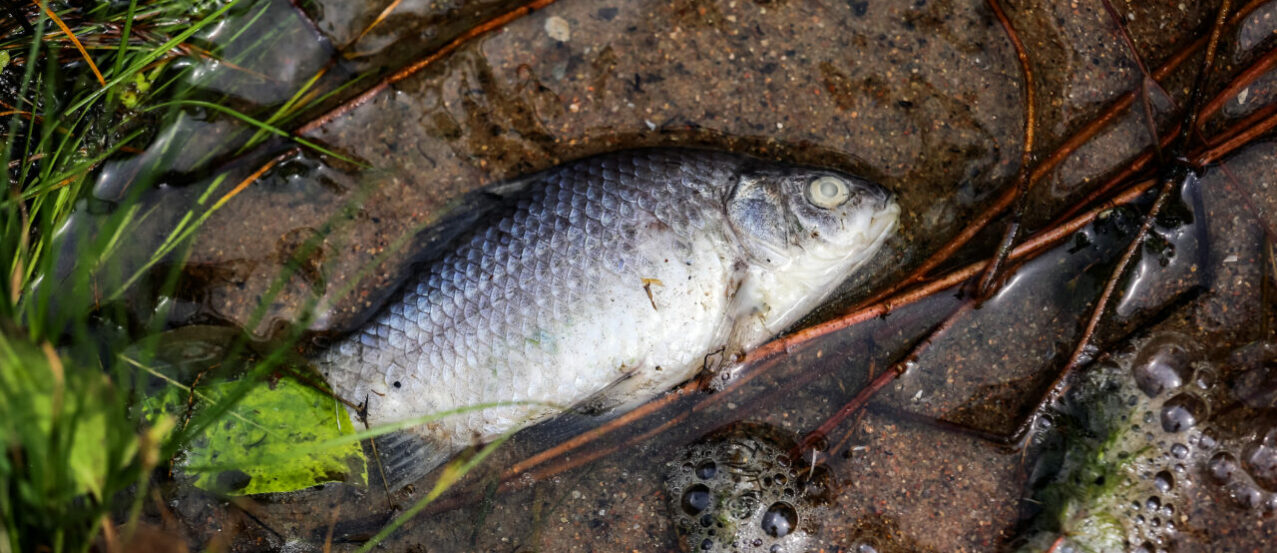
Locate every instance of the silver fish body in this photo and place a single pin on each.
(612, 278)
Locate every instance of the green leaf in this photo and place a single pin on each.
(266, 443)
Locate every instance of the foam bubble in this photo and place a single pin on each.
(1260, 461)
(1222, 466)
(1162, 365)
(1182, 412)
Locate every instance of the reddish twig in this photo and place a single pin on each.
(1247, 77)
(1022, 182)
(1146, 78)
(1226, 141)
(1048, 164)
(1083, 351)
(1131, 169)
(1055, 545)
(1243, 133)
(1203, 76)
(416, 67)
(595, 433)
(879, 382)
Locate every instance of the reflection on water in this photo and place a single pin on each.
(1176, 415)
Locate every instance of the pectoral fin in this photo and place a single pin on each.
(406, 456)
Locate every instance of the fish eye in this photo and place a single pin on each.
(828, 192)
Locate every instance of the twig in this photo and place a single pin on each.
(1146, 79)
(1244, 133)
(1226, 141)
(1048, 164)
(462, 39)
(1203, 76)
(1022, 182)
(1082, 352)
(879, 382)
(1244, 79)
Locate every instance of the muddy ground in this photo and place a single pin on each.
(925, 97)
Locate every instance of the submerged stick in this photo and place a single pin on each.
(416, 67)
(879, 382)
(1048, 164)
(1022, 181)
(1084, 350)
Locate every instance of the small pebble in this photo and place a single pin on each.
(558, 28)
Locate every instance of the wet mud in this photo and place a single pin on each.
(1177, 413)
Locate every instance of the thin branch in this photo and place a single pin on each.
(1226, 141)
(1022, 182)
(1244, 79)
(461, 40)
(1203, 77)
(1048, 164)
(879, 382)
(1083, 351)
(1243, 134)
(1146, 79)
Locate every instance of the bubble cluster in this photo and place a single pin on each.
(1164, 406)
(1261, 460)
(1235, 456)
(1245, 469)
(738, 491)
(1178, 419)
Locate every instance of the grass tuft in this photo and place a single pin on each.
(80, 87)
(83, 86)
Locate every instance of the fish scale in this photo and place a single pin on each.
(610, 277)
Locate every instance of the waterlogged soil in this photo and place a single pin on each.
(924, 97)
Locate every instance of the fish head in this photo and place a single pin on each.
(804, 231)
(823, 217)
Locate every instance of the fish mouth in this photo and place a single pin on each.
(881, 226)
(883, 221)
(838, 261)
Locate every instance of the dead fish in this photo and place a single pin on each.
(609, 279)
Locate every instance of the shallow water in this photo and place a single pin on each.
(923, 97)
